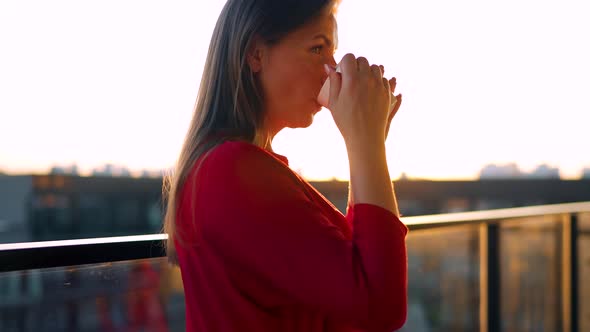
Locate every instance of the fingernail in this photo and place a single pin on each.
(327, 68)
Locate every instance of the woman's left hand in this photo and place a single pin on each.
(393, 111)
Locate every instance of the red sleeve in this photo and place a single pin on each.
(267, 231)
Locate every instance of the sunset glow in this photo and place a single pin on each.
(115, 82)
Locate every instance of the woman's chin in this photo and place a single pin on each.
(303, 122)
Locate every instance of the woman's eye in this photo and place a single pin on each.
(317, 49)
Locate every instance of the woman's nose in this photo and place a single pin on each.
(332, 62)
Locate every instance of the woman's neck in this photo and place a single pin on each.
(263, 139)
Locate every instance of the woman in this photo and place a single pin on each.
(259, 249)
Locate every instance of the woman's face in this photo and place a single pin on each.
(291, 73)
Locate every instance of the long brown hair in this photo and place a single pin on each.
(229, 103)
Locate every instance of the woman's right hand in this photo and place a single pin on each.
(360, 102)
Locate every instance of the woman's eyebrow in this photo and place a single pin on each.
(327, 40)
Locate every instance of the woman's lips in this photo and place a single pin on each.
(319, 106)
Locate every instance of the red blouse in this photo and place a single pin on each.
(264, 251)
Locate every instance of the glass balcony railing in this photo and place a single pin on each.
(508, 270)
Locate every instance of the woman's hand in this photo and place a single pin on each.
(360, 100)
(360, 103)
(395, 108)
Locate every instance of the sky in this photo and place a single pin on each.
(95, 82)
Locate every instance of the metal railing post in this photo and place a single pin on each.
(570, 273)
(489, 274)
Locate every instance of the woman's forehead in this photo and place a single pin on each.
(323, 25)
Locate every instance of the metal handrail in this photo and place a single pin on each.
(37, 255)
(82, 242)
(34, 255)
(497, 215)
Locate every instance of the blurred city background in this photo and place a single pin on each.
(444, 264)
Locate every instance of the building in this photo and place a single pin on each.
(15, 192)
(55, 206)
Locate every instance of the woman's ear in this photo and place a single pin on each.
(255, 55)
